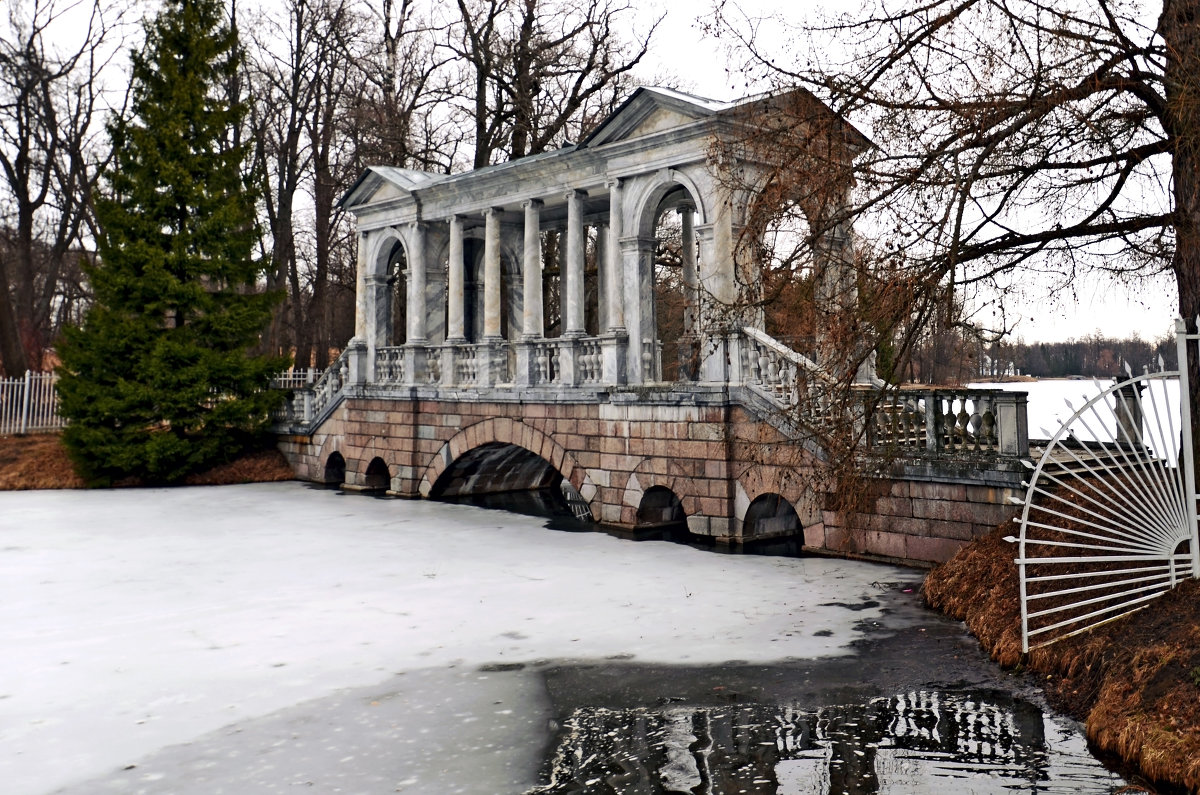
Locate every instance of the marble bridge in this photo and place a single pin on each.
(514, 330)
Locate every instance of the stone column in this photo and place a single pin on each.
(532, 267)
(491, 274)
(378, 308)
(576, 252)
(614, 348)
(455, 297)
(717, 293)
(601, 278)
(360, 288)
(532, 320)
(691, 286)
(689, 351)
(416, 284)
(616, 304)
(636, 256)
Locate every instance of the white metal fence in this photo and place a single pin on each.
(1109, 520)
(29, 404)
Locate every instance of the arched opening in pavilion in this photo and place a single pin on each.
(674, 297)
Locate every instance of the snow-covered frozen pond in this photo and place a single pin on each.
(266, 637)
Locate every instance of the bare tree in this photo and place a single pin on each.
(540, 71)
(49, 99)
(1015, 143)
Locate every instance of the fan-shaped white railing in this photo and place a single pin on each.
(1109, 519)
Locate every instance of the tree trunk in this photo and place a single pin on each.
(1179, 26)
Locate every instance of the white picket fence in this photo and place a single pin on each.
(29, 404)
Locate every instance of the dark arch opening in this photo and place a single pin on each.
(397, 304)
(770, 515)
(335, 469)
(673, 310)
(509, 477)
(661, 510)
(378, 478)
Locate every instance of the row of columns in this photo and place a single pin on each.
(625, 285)
(572, 284)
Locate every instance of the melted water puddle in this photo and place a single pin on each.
(916, 742)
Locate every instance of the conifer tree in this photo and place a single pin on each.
(158, 382)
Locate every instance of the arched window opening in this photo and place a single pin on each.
(397, 273)
(675, 296)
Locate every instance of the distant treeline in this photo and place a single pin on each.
(1094, 356)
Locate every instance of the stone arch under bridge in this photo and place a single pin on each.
(504, 455)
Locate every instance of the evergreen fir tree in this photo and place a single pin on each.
(158, 382)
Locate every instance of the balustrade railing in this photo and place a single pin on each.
(466, 365)
(907, 422)
(950, 422)
(329, 385)
(777, 370)
(389, 365)
(590, 361)
(546, 368)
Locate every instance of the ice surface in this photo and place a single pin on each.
(140, 619)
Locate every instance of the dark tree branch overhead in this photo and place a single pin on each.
(1005, 128)
(540, 71)
(1015, 145)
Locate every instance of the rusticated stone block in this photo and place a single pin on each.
(937, 491)
(873, 542)
(944, 510)
(894, 506)
(932, 550)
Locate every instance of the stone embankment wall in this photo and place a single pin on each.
(920, 521)
(708, 451)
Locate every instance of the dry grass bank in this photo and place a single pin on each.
(39, 461)
(1135, 682)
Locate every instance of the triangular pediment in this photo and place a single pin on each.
(382, 183)
(652, 110)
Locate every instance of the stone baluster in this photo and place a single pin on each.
(933, 423)
(962, 423)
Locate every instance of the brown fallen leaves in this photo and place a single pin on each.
(39, 461)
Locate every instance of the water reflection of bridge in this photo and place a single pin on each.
(914, 742)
